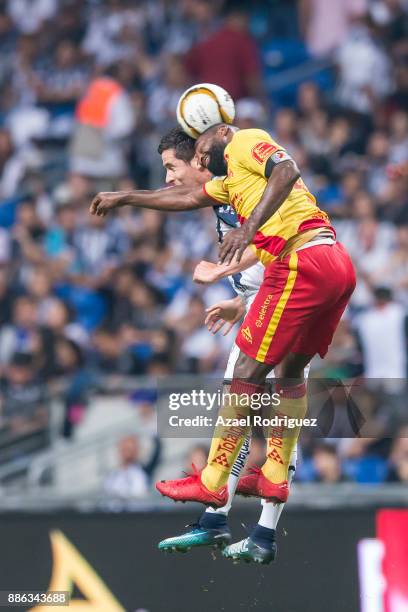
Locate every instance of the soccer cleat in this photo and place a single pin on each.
(256, 485)
(247, 551)
(192, 489)
(195, 537)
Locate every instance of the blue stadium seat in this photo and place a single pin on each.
(89, 306)
(287, 63)
(8, 211)
(367, 470)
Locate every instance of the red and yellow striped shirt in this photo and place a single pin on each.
(247, 155)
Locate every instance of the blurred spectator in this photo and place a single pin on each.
(378, 152)
(395, 269)
(308, 99)
(59, 237)
(327, 464)
(286, 132)
(21, 334)
(108, 28)
(369, 242)
(132, 479)
(399, 98)
(63, 80)
(165, 93)
(365, 71)
(104, 118)
(399, 138)
(23, 397)
(12, 166)
(250, 114)
(391, 16)
(30, 15)
(343, 358)
(199, 348)
(75, 380)
(99, 244)
(6, 298)
(385, 354)
(325, 25)
(228, 56)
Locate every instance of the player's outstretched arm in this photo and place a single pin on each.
(171, 199)
(278, 188)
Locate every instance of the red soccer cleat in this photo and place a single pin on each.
(256, 485)
(192, 489)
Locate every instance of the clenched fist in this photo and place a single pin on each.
(234, 244)
(106, 201)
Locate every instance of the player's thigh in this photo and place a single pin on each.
(268, 321)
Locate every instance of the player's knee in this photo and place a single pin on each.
(292, 366)
(251, 370)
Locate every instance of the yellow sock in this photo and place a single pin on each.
(282, 439)
(228, 439)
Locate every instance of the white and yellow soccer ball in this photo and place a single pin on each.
(202, 106)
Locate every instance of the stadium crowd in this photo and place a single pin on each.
(83, 297)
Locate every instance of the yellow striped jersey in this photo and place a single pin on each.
(249, 156)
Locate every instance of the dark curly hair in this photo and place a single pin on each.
(181, 142)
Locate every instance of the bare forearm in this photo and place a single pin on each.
(248, 259)
(278, 188)
(171, 199)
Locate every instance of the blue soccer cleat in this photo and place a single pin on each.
(197, 536)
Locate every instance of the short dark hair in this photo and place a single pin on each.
(181, 142)
(325, 447)
(383, 294)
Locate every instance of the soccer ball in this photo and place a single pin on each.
(203, 106)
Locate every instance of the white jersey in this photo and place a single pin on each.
(246, 284)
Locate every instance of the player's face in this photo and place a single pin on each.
(179, 172)
(210, 154)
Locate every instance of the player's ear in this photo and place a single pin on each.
(195, 163)
(223, 131)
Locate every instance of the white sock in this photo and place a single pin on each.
(234, 478)
(271, 513)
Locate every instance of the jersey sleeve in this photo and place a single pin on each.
(216, 191)
(258, 152)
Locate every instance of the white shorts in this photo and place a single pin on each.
(234, 353)
(232, 359)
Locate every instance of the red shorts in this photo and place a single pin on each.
(299, 304)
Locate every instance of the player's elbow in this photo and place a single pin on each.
(292, 173)
(286, 174)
